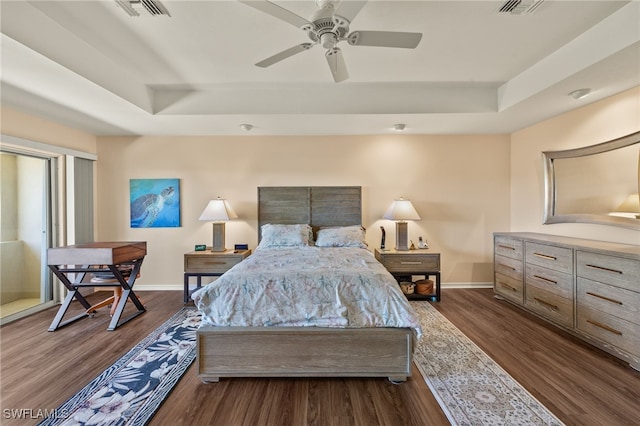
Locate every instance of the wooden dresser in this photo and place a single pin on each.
(589, 288)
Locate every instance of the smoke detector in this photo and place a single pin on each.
(138, 8)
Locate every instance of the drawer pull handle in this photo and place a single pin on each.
(506, 247)
(214, 263)
(550, 281)
(410, 263)
(507, 266)
(604, 298)
(605, 327)
(602, 268)
(554, 307)
(507, 286)
(545, 256)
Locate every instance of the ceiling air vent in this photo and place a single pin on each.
(520, 7)
(143, 7)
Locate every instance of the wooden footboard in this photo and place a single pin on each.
(303, 352)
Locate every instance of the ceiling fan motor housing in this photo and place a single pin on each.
(324, 28)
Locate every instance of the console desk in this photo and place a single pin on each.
(76, 261)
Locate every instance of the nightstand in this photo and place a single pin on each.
(209, 264)
(403, 264)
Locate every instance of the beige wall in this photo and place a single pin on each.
(20, 125)
(458, 184)
(464, 187)
(598, 122)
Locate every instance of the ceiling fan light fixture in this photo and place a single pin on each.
(580, 93)
(328, 40)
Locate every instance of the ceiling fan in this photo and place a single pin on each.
(328, 26)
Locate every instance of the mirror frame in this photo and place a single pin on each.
(549, 158)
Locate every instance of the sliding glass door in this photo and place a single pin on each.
(26, 217)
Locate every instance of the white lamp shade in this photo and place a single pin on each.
(630, 205)
(401, 210)
(629, 208)
(218, 210)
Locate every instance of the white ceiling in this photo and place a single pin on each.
(89, 65)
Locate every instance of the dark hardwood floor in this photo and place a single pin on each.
(582, 385)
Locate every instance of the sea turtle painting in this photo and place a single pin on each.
(148, 205)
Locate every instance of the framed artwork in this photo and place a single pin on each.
(154, 203)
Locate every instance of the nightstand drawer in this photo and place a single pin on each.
(208, 262)
(411, 262)
(400, 264)
(200, 264)
(218, 264)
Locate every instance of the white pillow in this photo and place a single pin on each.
(285, 235)
(345, 236)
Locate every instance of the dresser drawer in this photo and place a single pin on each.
(508, 247)
(508, 266)
(552, 257)
(508, 287)
(212, 264)
(617, 271)
(609, 329)
(411, 263)
(549, 280)
(550, 306)
(611, 300)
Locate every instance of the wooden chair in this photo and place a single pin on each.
(113, 300)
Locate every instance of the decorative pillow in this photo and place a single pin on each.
(345, 236)
(285, 235)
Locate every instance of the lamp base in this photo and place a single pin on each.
(218, 237)
(402, 238)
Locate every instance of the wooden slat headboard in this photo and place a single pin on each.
(315, 205)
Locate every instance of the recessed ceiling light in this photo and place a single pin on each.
(246, 127)
(399, 127)
(580, 93)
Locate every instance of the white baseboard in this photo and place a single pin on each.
(468, 285)
(158, 287)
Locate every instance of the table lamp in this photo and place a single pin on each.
(218, 211)
(401, 211)
(630, 207)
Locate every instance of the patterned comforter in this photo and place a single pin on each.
(307, 286)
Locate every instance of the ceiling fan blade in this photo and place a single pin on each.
(277, 12)
(336, 64)
(349, 9)
(384, 39)
(284, 54)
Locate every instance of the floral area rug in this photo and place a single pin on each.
(469, 386)
(131, 390)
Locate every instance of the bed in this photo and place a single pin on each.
(331, 310)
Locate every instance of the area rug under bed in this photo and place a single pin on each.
(469, 386)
